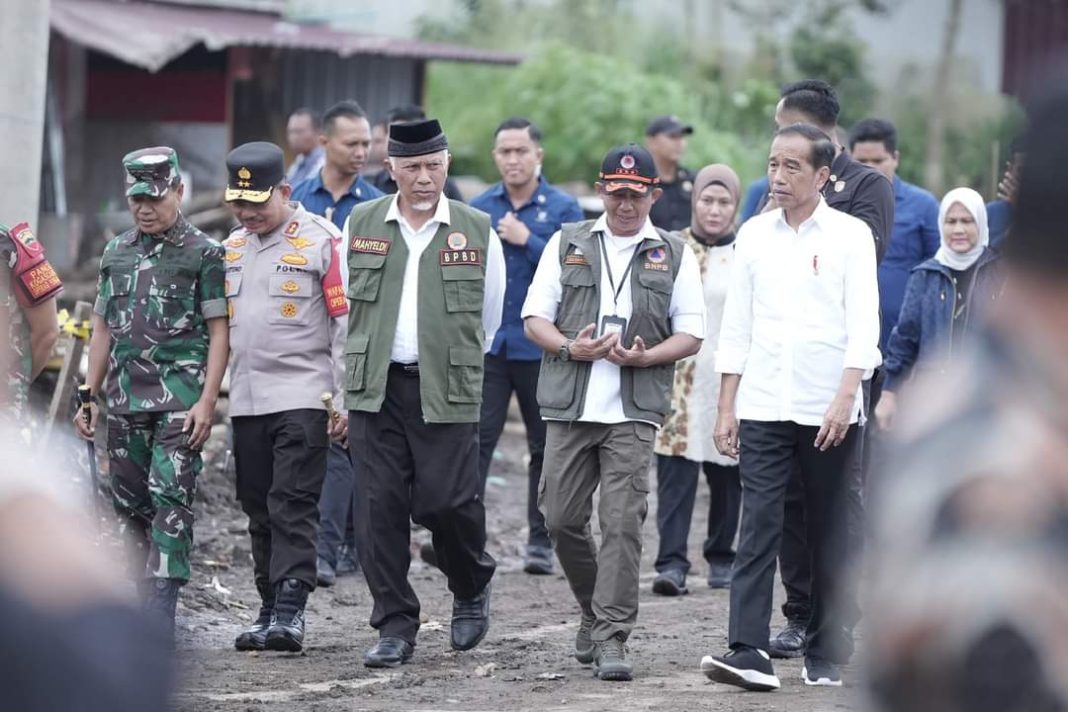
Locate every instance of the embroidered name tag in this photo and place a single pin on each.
(576, 259)
(370, 245)
(657, 266)
(472, 256)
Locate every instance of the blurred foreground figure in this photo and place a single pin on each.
(968, 611)
(71, 641)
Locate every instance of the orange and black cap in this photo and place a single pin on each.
(628, 167)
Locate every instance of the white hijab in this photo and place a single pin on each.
(973, 203)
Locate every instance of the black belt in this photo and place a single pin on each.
(408, 369)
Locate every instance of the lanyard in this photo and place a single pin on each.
(616, 291)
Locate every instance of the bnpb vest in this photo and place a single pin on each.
(646, 392)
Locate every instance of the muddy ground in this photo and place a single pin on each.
(523, 664)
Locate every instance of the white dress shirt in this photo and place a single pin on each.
(802, 307)
(604, 401)
(406, 339)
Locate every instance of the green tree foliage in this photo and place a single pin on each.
(585, 103)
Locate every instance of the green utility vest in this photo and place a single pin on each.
(452, 272)
(646, 392)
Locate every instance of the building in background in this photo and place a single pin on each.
(200, 77)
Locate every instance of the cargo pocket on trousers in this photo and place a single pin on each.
(356, 362)
(644, 434)
(465, 374)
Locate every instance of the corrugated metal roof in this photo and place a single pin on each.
(149, 35)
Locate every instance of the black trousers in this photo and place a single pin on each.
(502, 378)
(335, 504)
(793, 558)
(407, 469)
(280, 460)
(676, 492)
(771, 453)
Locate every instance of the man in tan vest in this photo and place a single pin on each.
(615, 303)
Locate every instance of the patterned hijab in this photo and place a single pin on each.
(725, 176)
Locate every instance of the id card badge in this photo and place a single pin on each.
(613, 325)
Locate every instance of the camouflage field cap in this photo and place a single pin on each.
(151, 171)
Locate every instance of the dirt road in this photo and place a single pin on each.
(523, 664)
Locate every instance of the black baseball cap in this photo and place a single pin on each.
(628, 167)
(670, 125)
(253, 170)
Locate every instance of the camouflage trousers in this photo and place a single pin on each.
(153, 482)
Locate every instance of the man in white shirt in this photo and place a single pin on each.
(800, 332)
(614, 303)
(426, 280)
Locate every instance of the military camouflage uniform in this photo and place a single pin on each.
(18, 360)
(156, 293)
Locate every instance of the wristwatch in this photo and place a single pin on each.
(564, 352)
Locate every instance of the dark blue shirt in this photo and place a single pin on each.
(998, 219)
(915, 239)
(315, 198)
(543, 214)
(754, 197)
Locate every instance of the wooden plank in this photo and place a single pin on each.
(68, 373)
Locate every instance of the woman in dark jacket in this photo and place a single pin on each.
(943, 296)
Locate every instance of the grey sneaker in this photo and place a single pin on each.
(585, 650)
(612, 663)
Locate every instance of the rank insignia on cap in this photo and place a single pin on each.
(294, 258)
(288, 310)
(299, 243)
(627, 161)
(235, 242)
(292, 228)
(456, 240)
(244, 173)
(234, 256)
(290, 287)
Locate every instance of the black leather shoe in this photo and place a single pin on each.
(790, 642)
(719, 575)
(255, 636)
(389, 652)
(286, 632)
(671, 582)
(470, 620)
(539, 561)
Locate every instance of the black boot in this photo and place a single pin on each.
(255, 636)
(287, 622)
(161, 599)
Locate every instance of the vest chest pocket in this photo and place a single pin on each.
(465, 374)
(579, 301)
(464, 287)
(356, 362)
(651, 305)
(365, 275)
(289, 299)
